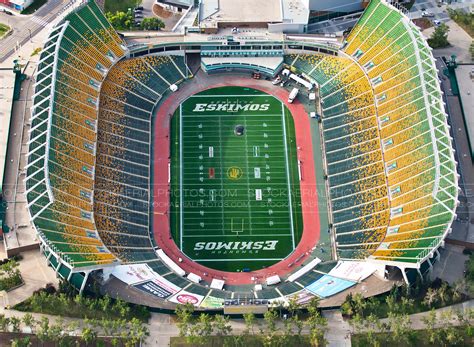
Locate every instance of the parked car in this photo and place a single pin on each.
(427, 14)
(436, 22)
(7, 12)
(139, 8)
(138, 15)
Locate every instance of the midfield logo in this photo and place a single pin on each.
(237, 245)
(224, 107)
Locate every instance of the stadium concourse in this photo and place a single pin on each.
(371, 132)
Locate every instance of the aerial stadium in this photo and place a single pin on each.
(228, 166)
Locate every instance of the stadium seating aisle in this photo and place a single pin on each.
(128, 96)
(387, 165)
(85, 51)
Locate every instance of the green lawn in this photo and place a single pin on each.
(3, 29)
(235, 199)
(120, 5)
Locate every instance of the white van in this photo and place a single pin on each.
(293, 95)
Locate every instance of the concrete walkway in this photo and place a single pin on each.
(459, 43)
(35, 273)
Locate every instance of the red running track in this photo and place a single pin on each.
(310, 211)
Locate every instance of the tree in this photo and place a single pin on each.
(372, 325)
(120, 20)
(29, 321)
(4, 323)
(24, 342)
(88, 335)
(439, 38)
(471, 49)
(359, 303)
(294, 308)
(221, 325)
(444, 293)
(184, 315)
(448, 334)
(269, 334)
(431, 297)
(55, 332)
(458, 289)
(391, 301)
(152, 24)
(430, 322)
(270, 319)
(10, 275)
(406, 305)
(137, 331)
(347, 308)
(316, 324)
(400, 327)
(250, 320)
(297, 323)
(200, 331)
(43, 329)
(15, 323)
(357, 323)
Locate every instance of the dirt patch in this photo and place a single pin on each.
(423, 23)
(161, 12)
(168, 17)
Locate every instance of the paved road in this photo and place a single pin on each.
(338, 25)
(439, 12)
(26, 27)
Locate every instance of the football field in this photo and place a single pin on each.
(235, 197)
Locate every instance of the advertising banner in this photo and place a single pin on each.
(212, 302)
(302, 297)
(184, 297)
(158, 287)
(132, 274)
(328, 285)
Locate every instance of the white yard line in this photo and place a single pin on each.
(222, 176)
(200, 236)
(248, 177)
(181, 217)
(194, 115)
(245, 259)
(229, 96)
(288, 175)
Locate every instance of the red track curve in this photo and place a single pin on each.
(161, 225)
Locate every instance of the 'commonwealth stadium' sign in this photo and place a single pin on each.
(230, 107)
(236, 245)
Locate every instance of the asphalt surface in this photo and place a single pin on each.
(338, 25)
(26, 27)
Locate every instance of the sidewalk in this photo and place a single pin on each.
(35, 273)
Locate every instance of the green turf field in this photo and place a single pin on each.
(235, 198)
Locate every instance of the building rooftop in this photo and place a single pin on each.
(242, 11)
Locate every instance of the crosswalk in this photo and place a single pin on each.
(39, 21)
(22, 33)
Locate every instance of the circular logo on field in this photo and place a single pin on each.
(186, 298)
(234, 173)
